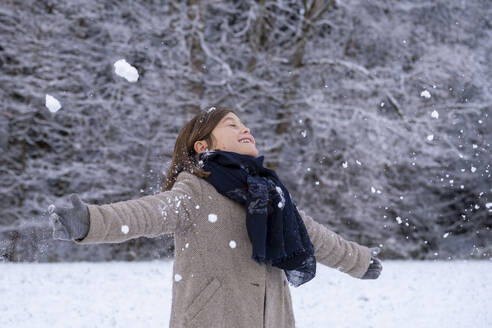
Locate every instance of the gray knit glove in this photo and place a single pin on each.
(70, 223)
(375, 267)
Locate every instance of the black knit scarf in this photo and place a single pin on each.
(275, 227)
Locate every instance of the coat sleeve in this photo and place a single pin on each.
(148, 216)
(332, 250)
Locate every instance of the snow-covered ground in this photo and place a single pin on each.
(125, 294)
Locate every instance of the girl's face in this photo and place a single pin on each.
(228, 135)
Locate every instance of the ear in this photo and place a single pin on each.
(200, 146)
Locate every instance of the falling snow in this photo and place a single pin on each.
(52, 103)
(281, 194)
(125, 70)
(125, 229)
(425, 94)
(212, 217)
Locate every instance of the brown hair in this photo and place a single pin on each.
(185, 158)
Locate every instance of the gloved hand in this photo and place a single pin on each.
(70, 223)
(375, 267)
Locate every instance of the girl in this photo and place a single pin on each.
(239, 238)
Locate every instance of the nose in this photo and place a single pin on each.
(246, 129)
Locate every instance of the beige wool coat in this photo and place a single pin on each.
(216, 283)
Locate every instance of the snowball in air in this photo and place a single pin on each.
(212, 217)
(398, 219)
(177, 277)
(52, 104)
(430, 137)
(435, 114)
(125, 229)
(125, 70)
(232, 244)
(425, 94)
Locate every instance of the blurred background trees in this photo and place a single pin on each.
(375, 114)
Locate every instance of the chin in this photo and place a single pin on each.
(253, 153)
(250, 153)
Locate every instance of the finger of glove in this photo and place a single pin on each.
(61, 234)
(65, 214)
(368, 275)
(373, 273)
(59, 230)
(375, 266)
(76, 202)
(54, 220)
(377, 263)
(375, 259)
(378, 269)
(61, 218)
(374, 269)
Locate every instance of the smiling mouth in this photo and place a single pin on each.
(246, 140)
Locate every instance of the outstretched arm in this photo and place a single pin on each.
(148, 216)
(333, 251)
